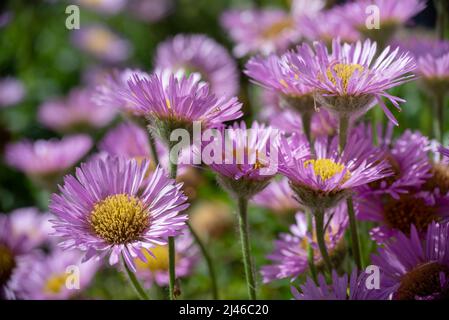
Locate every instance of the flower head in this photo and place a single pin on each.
(109, 208)
(259, 31)
(50, 276)
(322, 180)
(394, 215)
(415, 269)
(154, 268)
(289, 258)
(74, 113)
(109, 7)
(102, 43)
(350, 80)
(177, 103)
(201, 54)
(342, 288)
(12, 91)
(43, 158)
(244, 158)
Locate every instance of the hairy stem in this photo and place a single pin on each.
(136, 284)
(354, 234)
(246, 251)
(319, 227)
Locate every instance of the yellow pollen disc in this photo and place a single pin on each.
(55, 283)
(7, 264)
(327, 168)
(277, 28)
(344, 72)
(119, 219)
(157, 263)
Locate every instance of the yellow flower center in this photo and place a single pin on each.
(343, 72)
(7, 264)
(327, 168)
(157, 263)
(55, 283)
(119, 219)
(277, 28)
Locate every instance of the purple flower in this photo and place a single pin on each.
(408, 159)
(150, 10)
(109, 92)
(342, 288)
(155, 266)
(127, 140)
(259, 31)
(102, 43)
(289, 258)
(12, 91)
(444, 151)
(109, 208)
(244, 158)
(199, 53)
(277, 197)
(395, 215)
(350, 80)
(76, 112)
(177, 103)
(14, 247)
(415, 269)
(47, 157)
(59, 276)
(322, 180)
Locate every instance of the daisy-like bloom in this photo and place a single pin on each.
(394, 215)
(434, 72)
(109, 208)
(47, 159)
(201, 54)
(289, 258)
(350, 80)
(150, 10)
(12, 91)
(154, 268)
(259, 31)
(31, 225)
(59, 276)
(179, 102)
(102, 43)
(391, 13)
(342, 288)
(408, 160)
(323, 180)
(415, 269)
(104, 6)
(277, 197)
(333, 24)
(109, 91)
(274, 73)
(245, 159)
(127, 140)
(74, 113)
(13, 247)
(211, 219)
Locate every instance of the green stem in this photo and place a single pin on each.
(310, 255)
(207, 258)
(441, 7)
(153, 149)
(354, 234)
(438, 116)
(319, 227)
(306, 119)
(140, 291)
(244, 238)
(343, 136)
(343, 133)
(171, 241)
